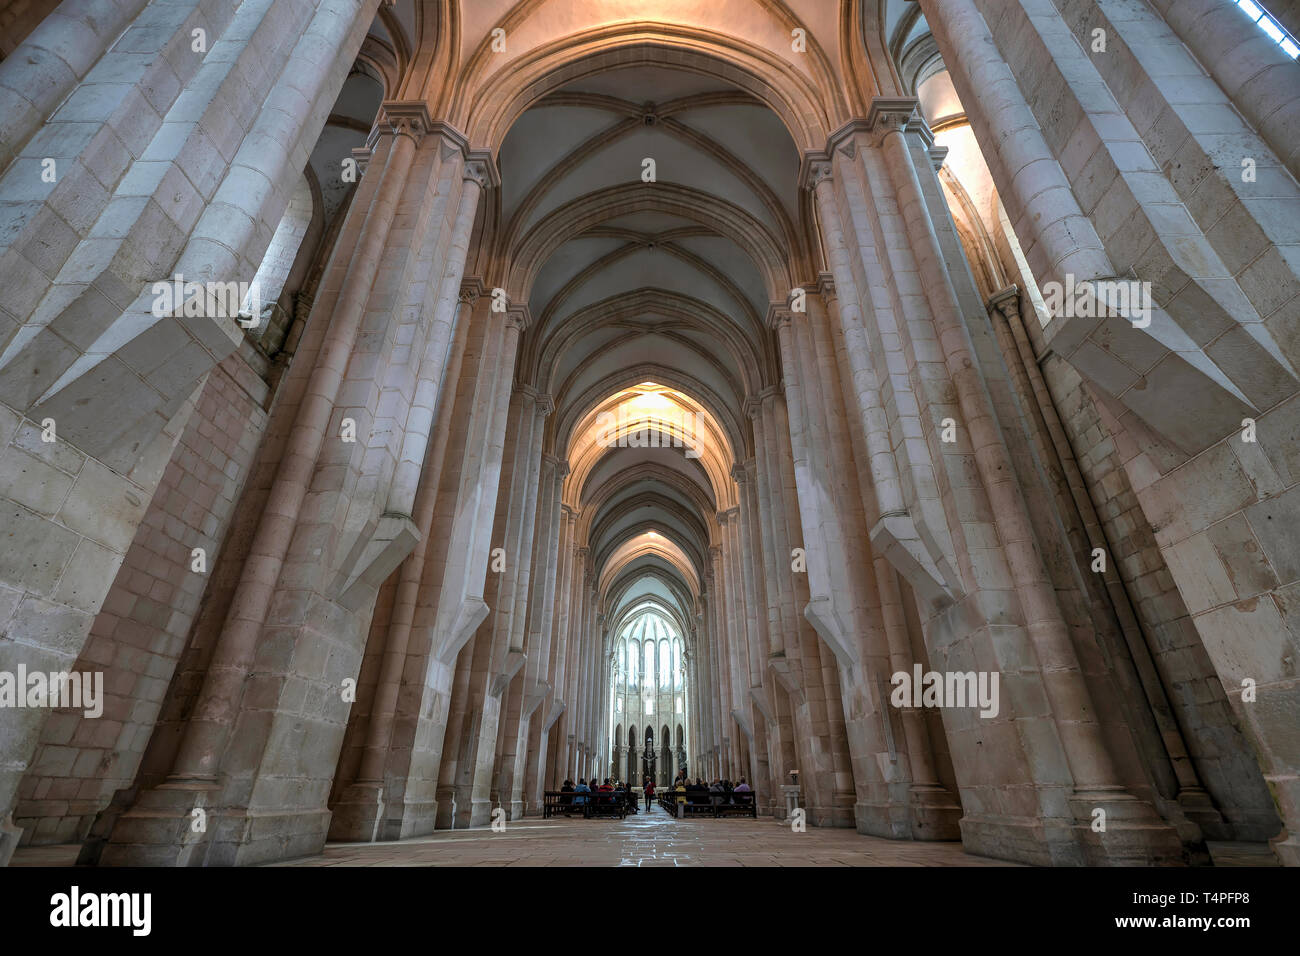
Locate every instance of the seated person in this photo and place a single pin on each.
(581, 789)
(566, 789)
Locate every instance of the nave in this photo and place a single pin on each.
(407, 406)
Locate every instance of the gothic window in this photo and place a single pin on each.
(1270, 26)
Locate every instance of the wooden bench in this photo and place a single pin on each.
(703, 804)
(560, 802)
(740, 805)
(698, 803)
(586, 805)
(609, 804)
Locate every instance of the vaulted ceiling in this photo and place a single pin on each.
(666, 208)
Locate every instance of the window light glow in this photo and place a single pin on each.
(1270, 26)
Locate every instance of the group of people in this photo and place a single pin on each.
(720, 791)
(583, 791)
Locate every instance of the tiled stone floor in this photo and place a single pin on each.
(646, 840)
(654, 840)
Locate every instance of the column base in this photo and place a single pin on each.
(419, 818)
(1199, 808)
(472, 811)
(1022, 840)
(935, 813)
(10, 833)
(359, 815)
(1287, 849)
(445, 819)
(832, 816)
(159, 830)
(889, 820)
(1134, 835)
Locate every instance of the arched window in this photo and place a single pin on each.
(650, 660)
(1270, 26)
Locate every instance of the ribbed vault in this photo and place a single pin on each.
(649, 219)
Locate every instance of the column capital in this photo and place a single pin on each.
(470, 289)
(545, 404)
(1005, 301)
(361, 156)
(817, 168)
(406, 118)
(725, 516)
(476, 170)
(897, 114)
(826, 286)
(518, 317)
(754, 406)
(778, 315)
(738, 473)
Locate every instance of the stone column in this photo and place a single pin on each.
(77, 261)
(180, 209)
(574, 628)
(448, 306)
(471, 735)
(195, 777)
(911, 528)
(1096, 779)
(56, 56)
(528, 701)
(556, 760)
(357, 813)
(517, 506)
(1213, 256)
(205, 735)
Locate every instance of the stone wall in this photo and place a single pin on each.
(138, 637)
